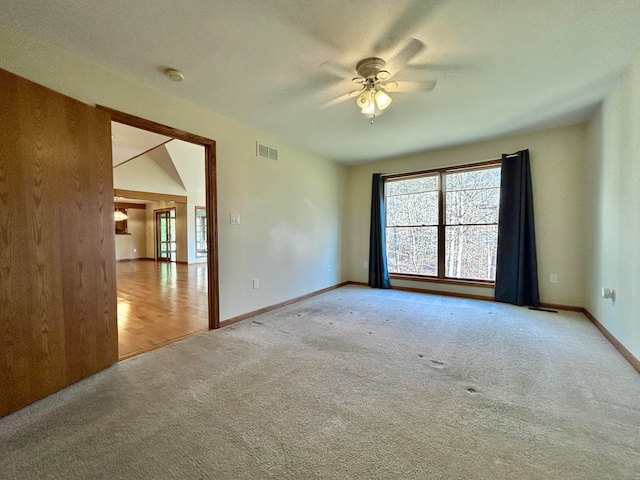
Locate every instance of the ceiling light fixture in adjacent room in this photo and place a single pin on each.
(119, 216)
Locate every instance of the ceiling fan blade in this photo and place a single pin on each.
(408, 87)
(342, 98)
(413, 48)
(446, 68)
(410, 18)
(337, 70)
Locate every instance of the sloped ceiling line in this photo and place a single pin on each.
(163, 159)
(129, 143)
(188, 162)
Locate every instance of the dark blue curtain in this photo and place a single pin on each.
(516, 264)
(378, 270)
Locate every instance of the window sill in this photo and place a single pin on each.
(448, 281)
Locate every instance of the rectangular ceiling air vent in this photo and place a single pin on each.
(266, 151)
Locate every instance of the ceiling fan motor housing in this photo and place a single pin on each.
(372, 68)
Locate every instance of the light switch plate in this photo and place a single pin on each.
(235, 218)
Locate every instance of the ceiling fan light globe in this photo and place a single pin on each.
(369, 110)
(364, 100)
(382, 100)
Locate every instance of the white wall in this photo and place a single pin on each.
(136, 239)
(557, 169)
(289, 224)
(614, 227)
(290, 210)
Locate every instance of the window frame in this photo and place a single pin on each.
(201, 232)
(441, 277)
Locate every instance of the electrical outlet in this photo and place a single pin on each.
(256, 283)
(135, 250)
(328, 267)
(366, 265)
(553, 278)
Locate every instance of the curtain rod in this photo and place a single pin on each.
(471, 165)
(452, 167)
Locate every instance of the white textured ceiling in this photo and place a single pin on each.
(502, 66)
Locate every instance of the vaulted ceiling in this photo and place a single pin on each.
(502, 66)
(129, 142)
(181, 163)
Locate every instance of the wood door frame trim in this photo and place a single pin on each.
(133, 206)
(151, 196)
(211, 197)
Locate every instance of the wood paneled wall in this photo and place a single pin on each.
(58, 319)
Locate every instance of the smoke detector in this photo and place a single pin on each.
(173, 74)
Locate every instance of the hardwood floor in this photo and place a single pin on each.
(158, 303)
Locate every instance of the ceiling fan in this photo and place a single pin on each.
(374, 76)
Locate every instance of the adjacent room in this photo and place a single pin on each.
(161, 239)
(295, 239)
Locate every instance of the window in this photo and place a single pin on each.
(444, 223)
(201, 232)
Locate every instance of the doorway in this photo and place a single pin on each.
(168, 233)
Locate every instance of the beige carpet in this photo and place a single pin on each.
(354, 383)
